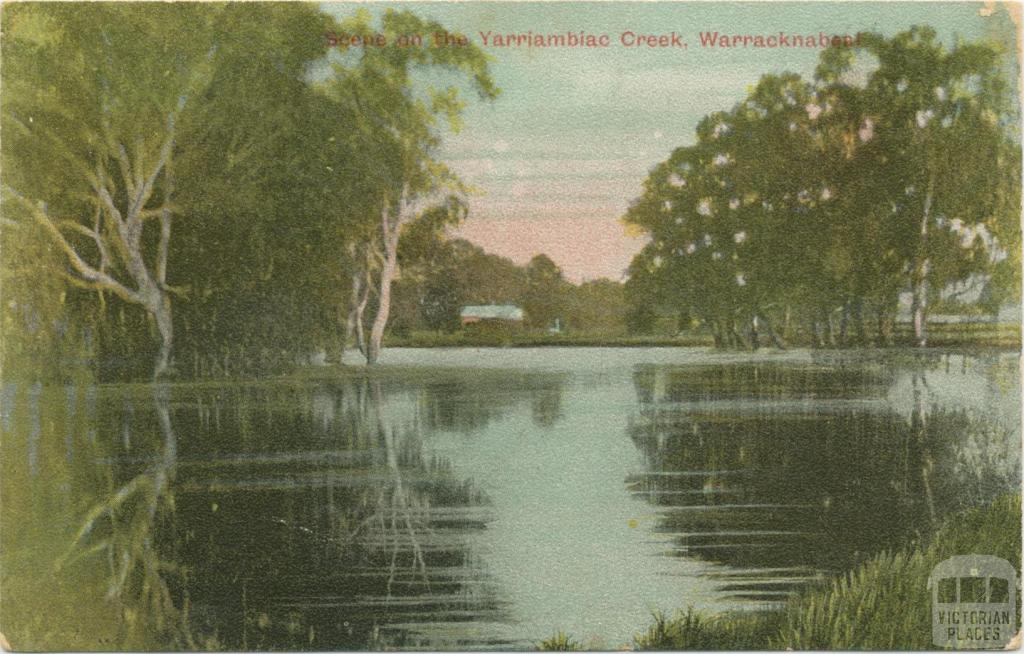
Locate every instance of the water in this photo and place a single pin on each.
(480, 498)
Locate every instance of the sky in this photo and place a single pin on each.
(558, 157)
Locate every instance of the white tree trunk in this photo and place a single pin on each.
(165, 326)
(360, 309)
(919, 304)
(387, 275)
(116, 231)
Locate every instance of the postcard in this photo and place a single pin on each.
(510, 326)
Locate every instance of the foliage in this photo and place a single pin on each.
(882, 604)
(821, 201)
(694, 631)
(401, 113)
(885, 604)
(560, 642)
(440, 276)
(218, 175)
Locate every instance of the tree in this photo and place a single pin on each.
(225, 130)
(938, 121)
(824, 199)
(596, 304)
(546, 292)
(274, 186)
(401, 115)
(90, 159)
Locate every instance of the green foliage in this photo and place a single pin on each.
(440, 276)
(560, 642)
(275, 179)
(882, 604)
(400, 114)
(544, 297)
(694, 631)
(821, 201)
(885, 603)
(597, 305)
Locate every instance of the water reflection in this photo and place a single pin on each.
(785, 472)
(89, 537)
(361, 539)
(476, 508)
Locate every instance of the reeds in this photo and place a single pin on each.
(560, 642)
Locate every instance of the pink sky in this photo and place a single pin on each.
(585, 248)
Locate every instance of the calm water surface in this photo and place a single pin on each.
(480, 498)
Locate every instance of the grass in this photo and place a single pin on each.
(882, 604)
(560, 642)
(1000, 335)
(885, 603)
(692, 630)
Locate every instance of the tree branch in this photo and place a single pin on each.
(163, 248)
(143, 194)
(86, 272)
(126, 168)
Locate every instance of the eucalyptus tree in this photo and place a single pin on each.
(779, 197)
(939, 116)
(93, 98)
(403, 95)
(116, 127)
(731, 217)
(893, 168)
(268, 187)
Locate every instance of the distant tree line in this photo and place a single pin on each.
(440, 276)
(815, 204)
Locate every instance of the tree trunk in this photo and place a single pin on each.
(737, 338)
(857, 315)
(165, 326)
(827, 328)
(880, 326)
(380, 321)
(775, 337)
(361, 310)
(844, 324)
(357, 302)
(919, 304)
(390, 230)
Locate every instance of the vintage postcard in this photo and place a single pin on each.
(510, 326)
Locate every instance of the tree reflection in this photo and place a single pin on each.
(331, 526)
(123, 528)
(784, 471)
(469, 402)
(401, 512)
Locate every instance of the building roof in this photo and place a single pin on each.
(492, 312)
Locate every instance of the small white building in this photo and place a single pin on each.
(498, 313)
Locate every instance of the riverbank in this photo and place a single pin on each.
(944, 335)
(882, 604)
